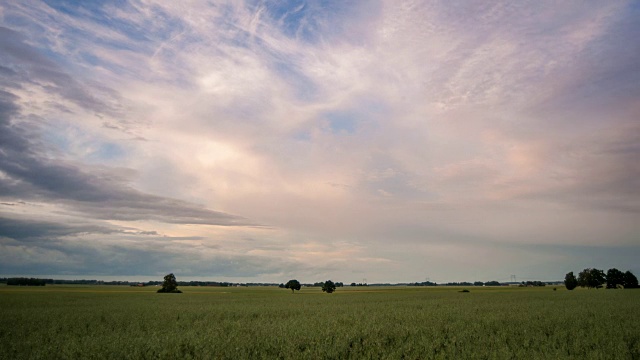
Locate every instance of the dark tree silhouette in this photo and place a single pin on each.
(591, 278)
(26, 281)
(570, 281)
(630, 281)
(170, 285)
(293, 285)
(328, 287)
(615, 278)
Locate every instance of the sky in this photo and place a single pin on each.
(261, 141)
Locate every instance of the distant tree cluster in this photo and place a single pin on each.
(424, 283)
(455, 283)
(476, 283)
(326, 286)
(492, 283)
(533, 283)
(26, 282)
(87, 282)
(358, 284)
(204, 283)
(321, 284)
(592, 278)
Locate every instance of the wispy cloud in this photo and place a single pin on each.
(362, 137)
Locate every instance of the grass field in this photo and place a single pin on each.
(98, 322)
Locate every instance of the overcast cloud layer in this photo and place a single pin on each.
(266, 140)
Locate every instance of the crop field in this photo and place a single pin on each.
(112, 322)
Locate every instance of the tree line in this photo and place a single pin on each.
(327, 286)
(26, 282)
(589, 278)
(593, 278)
(41, 282)
(315, 284)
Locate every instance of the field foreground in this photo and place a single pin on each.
(85, 322)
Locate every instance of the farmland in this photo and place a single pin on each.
(369, 322)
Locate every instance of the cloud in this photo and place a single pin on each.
(25, 230)
(26, 175)
(357, 132)
(29, 174)
(70, 245)
(28, 65)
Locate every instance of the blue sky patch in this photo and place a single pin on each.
(342, 122)
(107, 152)
(306, 20)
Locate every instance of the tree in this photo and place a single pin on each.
(615, 278)
(170, 285)
(293, 285)
(328, 287)
(570, 281)
(591, 278)
(630, 281)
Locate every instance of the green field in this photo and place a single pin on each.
(84, 322)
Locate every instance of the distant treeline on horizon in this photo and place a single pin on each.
(24, 281)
